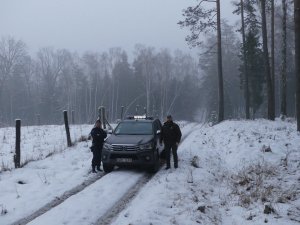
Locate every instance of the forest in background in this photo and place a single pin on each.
(57, 79)
(52, 80)
(258, 55)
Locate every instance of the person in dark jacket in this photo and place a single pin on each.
(171, 136)
(98, 135)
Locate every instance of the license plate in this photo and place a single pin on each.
(124, 160)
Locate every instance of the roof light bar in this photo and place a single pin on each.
(140, 117)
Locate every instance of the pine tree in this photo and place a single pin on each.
(201, 20)
(254, 57)
(297, 58)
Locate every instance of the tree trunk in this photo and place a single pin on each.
(273, 47)
(220, 70)
(297, 58)
(115, 114)
(95, 97)
(270, 90)
(148, 86)
(113, 95)
(246, 86)
(283, 65)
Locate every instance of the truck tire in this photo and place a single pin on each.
(155, 167)
(108, 168)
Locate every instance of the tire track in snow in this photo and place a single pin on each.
(58, 200)
(116, 209)
(121, 205)
(111, 213)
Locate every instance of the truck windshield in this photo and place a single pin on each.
(134, 128)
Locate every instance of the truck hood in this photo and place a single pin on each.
(129, 139)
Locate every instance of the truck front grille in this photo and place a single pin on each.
(125, 148)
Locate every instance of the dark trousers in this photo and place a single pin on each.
(168, 148)
(97, 151)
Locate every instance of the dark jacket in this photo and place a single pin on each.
(170, 133)
(98, 136)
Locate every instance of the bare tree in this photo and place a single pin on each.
(92, 69)
(11, 52)
(144, 65)
(51, 64)
(246, 85)
(116, 56)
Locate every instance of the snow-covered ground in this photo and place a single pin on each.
(25, 190)
(226, 176)
(37, 142)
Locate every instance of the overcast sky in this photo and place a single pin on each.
(97, 25)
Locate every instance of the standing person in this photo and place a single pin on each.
(98, 135)
(171, 136)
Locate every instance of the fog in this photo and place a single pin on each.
(162, 74)
(97, 25)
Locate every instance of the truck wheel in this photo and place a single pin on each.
(155, 167)
(108, 168)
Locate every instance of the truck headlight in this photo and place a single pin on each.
(107, 146)
(146, 146)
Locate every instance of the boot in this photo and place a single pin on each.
(93, 170)
(98, 168)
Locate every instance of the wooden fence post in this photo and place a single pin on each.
(67, 128)
(17, 156)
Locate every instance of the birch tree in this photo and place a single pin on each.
(144, 65)
(51, 64)
(11, 54)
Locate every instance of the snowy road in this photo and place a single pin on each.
(230, 181)
(56, 176)
(91, 203)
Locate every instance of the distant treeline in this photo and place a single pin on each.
(41, 87)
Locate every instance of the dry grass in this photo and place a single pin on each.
(259, 183)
